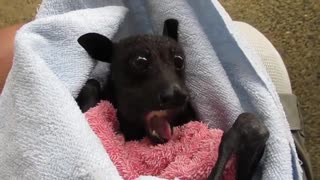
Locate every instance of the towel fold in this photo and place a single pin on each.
(44, 135)
(190, 154)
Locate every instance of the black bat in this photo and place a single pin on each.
(147, 85)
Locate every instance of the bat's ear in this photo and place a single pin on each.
(170, 28)
(98, 46)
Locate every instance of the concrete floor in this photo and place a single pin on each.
(17, 11)
(293, 27)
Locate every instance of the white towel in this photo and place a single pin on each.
(43, 134)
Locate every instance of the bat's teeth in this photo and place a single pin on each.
(154, 133)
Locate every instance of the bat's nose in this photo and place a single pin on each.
(173, 95)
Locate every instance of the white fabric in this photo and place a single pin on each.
(270, 57)
(43, 134)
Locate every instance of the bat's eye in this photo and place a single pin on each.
(178, 62)
(141, 63)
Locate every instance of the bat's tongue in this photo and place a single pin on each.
(158, 125)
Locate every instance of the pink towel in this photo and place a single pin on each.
(190, 154)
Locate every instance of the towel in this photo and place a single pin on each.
(190, 154)
(43, 133)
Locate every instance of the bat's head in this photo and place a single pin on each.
(148, 76)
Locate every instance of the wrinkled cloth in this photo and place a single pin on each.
(43, 133)
(191, 153)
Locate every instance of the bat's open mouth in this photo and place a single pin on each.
(158, 125)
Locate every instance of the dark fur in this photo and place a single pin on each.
(136, 88)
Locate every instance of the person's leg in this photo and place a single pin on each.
(280, 78)
(7, 36)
